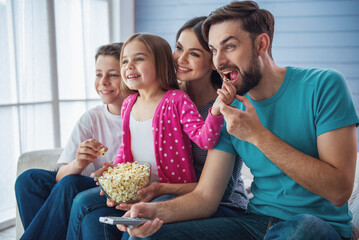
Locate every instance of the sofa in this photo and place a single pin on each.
(43, 159)
(47, 159)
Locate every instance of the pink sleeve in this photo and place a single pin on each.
(119, 157)
(204, 133)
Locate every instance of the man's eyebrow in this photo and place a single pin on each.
(227, 39)
(224, 41)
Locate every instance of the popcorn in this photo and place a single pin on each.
(102, 151)
(122, 182)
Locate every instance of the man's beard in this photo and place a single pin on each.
(250, 77)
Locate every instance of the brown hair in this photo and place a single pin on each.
(112, 49)
(254, 20)
(162, 55)
(195, 24)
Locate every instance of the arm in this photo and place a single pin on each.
(202, 202)
(156, 189)
(87, 153)
(206, 134)
(331, 176)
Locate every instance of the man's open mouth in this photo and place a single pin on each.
(230, 75)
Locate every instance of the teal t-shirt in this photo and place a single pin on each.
(309, 102)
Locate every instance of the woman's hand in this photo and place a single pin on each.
(148, 193)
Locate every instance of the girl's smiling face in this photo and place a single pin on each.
(138, 68)
(192, 61)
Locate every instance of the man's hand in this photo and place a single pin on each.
(244, 125)
(143, 210)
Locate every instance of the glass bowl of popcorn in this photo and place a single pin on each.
(121, 182)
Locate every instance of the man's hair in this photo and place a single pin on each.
(254, 20)
(195, 24)
(112, 49)
(163, 61)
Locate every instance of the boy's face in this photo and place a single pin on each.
(234, 55)
(108, 79)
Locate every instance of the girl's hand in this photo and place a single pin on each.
(226, 96)
(87, 152)
(148, 193)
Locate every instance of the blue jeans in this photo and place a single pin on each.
(87, 208)
(45, 205)
(249, 226)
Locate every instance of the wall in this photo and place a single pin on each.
(308, 33)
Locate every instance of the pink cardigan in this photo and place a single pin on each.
(175, 123)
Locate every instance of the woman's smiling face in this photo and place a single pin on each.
(191, 60)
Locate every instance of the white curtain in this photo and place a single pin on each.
(47, 69)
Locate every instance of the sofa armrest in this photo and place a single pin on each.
(43, 159)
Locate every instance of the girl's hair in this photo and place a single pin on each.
(162, 55)
(112, 49)
(254, 20)
(195, 24)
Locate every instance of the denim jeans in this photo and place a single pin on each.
(87, 208)
(45, 205)
(247, 227)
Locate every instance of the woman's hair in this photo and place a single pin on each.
(195, 24)
(162, 55)
(254, 20)
(112, 49)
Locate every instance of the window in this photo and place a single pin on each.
(47, 70)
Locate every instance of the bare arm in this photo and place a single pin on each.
(202, 202)
(331, 176)
(204, 199)
(87, 153)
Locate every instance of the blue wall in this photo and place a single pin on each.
(308, 33)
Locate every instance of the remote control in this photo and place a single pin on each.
(129, 222)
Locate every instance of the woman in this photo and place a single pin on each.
(195, 71)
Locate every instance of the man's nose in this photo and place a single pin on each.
(219, 59)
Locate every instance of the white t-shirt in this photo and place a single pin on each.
(100, 124)
(142, 144)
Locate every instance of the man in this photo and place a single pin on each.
(294, 128)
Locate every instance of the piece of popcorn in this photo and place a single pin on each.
(103, 151)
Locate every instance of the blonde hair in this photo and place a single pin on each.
(162, 54)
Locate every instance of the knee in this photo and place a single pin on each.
(25, 179)
(307, 220)
(80, 200)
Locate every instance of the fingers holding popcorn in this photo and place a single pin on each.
(227, 93)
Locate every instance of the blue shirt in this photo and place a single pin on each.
(309, 102)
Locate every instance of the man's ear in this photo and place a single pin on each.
(262, 43)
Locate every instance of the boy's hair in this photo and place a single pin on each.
(162, 56)
(254, 20)
(112, 49)
(195, 24)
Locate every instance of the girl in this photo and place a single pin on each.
(158, 119)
